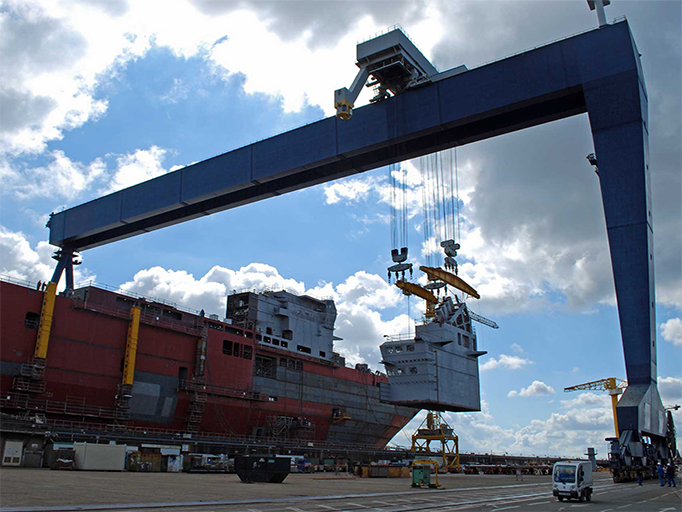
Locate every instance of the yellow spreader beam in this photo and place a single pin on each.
(415, 289)
(45, 325)
(131, 346)
(451, 279)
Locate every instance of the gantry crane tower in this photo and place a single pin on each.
(612, 386)
(435, 428)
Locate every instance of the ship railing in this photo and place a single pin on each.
(16, 280)
(399, 337)
(123, 291)
(25, 402)
(98, 429)
(159, 321)
(214, 390)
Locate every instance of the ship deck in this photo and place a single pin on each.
(41, 489)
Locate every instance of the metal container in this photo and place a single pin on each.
(262, 468)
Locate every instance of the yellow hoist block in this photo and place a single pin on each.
(131, 346)
(45, 325)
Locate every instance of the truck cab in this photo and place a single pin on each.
(572, 480)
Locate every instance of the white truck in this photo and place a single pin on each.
(572, 479)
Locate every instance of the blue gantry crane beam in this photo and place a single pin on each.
(598, 72)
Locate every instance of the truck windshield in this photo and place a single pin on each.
(564, 474)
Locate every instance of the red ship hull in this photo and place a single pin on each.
(84, 366)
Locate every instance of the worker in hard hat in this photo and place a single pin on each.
(670, 473)
(661, 474)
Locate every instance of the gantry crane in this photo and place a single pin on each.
(612, 386)
(435, 428)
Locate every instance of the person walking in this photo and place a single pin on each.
(661, 474)
(639, 475)
(670, 473)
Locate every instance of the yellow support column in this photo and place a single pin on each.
(614, 391)
(131, 347)
(45, 325)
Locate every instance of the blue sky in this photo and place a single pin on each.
(98, 96)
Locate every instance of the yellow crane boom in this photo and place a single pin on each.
(612, 386)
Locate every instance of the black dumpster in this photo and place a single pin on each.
(262, 468)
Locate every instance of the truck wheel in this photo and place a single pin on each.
(588, 495)
(581, 497)
(561, 498)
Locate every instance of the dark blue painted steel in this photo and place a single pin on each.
(92, 217)
(216, 176)
(157, 196)
(521, 91)
(597, 72)
(282, 155)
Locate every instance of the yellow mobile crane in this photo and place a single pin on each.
(612, 386)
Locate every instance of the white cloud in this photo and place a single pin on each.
(358, 299)
(350, 190)
(131, 169)
(177, 92)
(62, 178)
(670, 389)
(537, 388)
(517, 348)
(368, 290)
(507, 362)
(20, 261)
(56, 54)
(672, 331)
(67, 179)
(564, 434)
(586, 400)
(210, 291)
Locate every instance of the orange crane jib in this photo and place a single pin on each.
(451, 279)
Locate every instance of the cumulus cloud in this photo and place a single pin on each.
(562, 434)
(55, 56)
(349, 190)
(670, 389)
(359, 300)
(587, 400)
(18, 260)
(507, 362)
(131, 169)
(672, 331)
(537, 388)
(210, 291)
(62, 177)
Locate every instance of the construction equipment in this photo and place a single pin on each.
(435, 428)
(395, 64)
(451, 279)
(612, 386)
(125, 388)
(421, 474)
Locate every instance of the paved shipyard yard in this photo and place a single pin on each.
(41, 489)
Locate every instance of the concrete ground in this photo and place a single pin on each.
(34, 490)
(35, 487)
